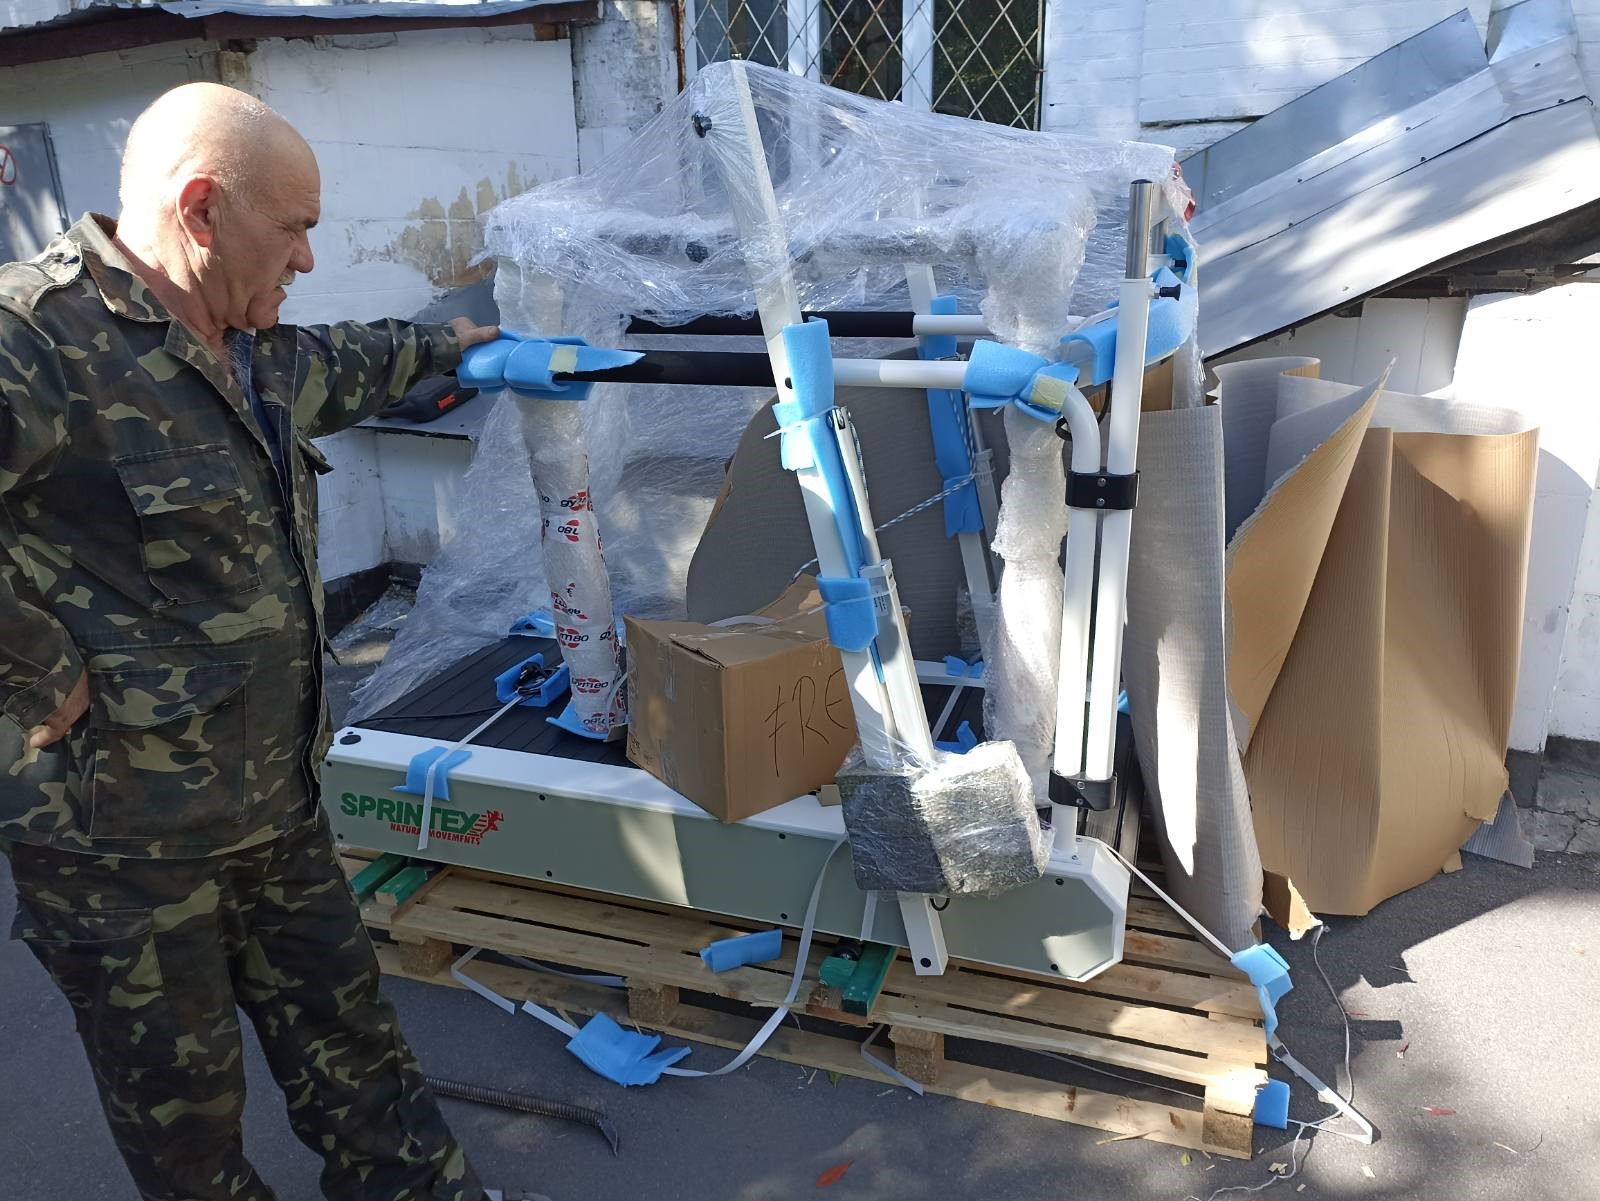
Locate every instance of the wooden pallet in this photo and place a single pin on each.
(1172, 1011)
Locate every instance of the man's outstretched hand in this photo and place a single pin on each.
(470, 334)
(55, 726)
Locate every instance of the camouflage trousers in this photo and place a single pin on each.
(157, 957)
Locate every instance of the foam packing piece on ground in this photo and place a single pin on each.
(622, 1056)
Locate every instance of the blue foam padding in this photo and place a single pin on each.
(623, 1056)
(1178, 249)
(1122, 703)
(423, 762)
(1171, 321)
(810, 367)
(997, 373)
(852, 620)
(960, 667)
(1061, 371)
(568, 720)
(963, 742)
(728, 953)
(484, 366)
(1101, 339)
(553, 686)
(528, 370)
(1270, 974)
(947, 414)
(538, 624)
(1272, 1105)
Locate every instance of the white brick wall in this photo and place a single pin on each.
(89, 107)
(417, 134)
(1133, 68)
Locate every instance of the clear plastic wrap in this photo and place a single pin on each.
(1025, 227)
(1019, 700)
(961, 825)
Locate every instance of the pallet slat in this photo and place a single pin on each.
(1173, 1010)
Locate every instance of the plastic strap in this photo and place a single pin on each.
(869, 914)
(802, 954)
(879, 1065)
(1279, 1051)
(444, 761)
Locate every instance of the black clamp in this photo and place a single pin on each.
(1083, 792)
(1102, 490)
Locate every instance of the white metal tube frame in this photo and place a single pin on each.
(889, 712)
(1093, 614)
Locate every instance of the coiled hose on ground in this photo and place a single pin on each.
(523, 1103)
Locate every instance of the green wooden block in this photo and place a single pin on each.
(866, 982)
(369, 878)
(403, 883)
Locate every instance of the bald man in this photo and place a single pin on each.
(162, 712)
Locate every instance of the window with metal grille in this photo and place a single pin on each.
(969, 58)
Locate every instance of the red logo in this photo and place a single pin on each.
(607, 635)
(570, 637)
(588, 685)
(577, 503)
(560, 605)
(568, 530)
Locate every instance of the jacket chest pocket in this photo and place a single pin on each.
(194, 534)
(169, 749)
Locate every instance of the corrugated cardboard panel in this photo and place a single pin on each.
(1273, 559)
(1381, 743)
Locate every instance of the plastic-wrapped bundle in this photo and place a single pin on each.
(1025, 227)
(960, 825)
(1019, 700)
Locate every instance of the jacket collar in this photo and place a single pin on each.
(124, 292)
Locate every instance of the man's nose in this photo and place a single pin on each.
(302, 261)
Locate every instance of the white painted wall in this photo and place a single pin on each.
(89, 105)
(418, 134)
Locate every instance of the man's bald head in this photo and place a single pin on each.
(204, 128)
(219, 194)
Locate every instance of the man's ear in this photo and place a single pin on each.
(197, 209)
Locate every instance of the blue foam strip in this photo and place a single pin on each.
(1101, 339)
(728, 953)
(484, 366)
(622, 1056)
(1179, 249)
(1171, 321)
(963, 742)
(810, 367)
(1272, 1105)
(423, 762)
(852, 620)
(539, 624)
(1270, 974)
(568, 720)
(554, 686)
(947, 414)
(996, 372)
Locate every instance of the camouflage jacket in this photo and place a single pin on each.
(145, 539)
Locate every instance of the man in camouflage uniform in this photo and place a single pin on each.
(162, 717)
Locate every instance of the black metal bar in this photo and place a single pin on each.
(708, 368)
(858, 324)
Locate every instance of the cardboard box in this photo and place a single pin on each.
(740, 717)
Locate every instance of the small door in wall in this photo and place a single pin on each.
(32, 207)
